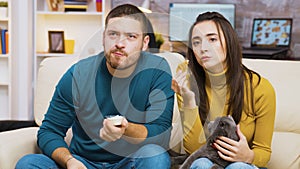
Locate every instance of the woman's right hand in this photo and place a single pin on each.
(180, 86)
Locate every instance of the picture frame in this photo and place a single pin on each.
(55, 5)
(56, 41)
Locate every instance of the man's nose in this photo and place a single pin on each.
(121, 42)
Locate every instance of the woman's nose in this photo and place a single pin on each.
(204, 45)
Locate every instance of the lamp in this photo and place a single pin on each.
(145, 7)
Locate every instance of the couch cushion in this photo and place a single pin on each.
(285, 151)
(15, 144)
(284, 76)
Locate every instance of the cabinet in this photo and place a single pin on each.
(6, 69)
(77, 26)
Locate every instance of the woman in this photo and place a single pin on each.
(224, 86)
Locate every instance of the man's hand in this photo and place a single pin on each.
(65, 159)
(110, 133)
(73, 163)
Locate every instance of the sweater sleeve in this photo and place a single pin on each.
(194, 136)
(265, 108)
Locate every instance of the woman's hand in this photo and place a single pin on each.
(180, 86)
(232, 150)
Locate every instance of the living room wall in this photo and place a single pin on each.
(246, 10)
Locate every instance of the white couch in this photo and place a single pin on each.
(284, 75)
(285, 78)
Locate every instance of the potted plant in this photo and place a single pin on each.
(3, 9)
(159, 40)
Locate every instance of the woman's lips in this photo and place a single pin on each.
(205, 58)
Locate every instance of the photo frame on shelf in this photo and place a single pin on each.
(55, 5)
(56, 41)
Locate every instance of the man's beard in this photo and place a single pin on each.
(116, 66)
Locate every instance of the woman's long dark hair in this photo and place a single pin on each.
(235, 74)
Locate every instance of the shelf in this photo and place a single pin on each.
(4, 84)
(69, 13)
(53, 55)
(4, 55)
(4, 69)
(4, 19)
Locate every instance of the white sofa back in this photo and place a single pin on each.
(285, 78)
(50, 71)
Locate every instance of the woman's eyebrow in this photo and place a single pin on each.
(207, 35)
(211, 34)
(196, 38)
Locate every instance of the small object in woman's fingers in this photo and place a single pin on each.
(183, 66)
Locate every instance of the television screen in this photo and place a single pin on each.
(183, 15)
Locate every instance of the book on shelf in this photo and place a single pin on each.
(75, 5)
(0, 43)
(4, 41)
(75, 2)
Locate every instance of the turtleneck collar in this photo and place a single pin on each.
(217, 80)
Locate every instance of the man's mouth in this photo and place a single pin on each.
(119, 54)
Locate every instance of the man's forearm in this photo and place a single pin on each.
(135, 133)
(62, 155)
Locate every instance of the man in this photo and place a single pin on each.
(123, 80)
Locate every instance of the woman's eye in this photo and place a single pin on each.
(213, 39)
(196, 43)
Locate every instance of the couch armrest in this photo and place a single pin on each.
(15, 144)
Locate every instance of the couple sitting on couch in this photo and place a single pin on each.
(123, 80)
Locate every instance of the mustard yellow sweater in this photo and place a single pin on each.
(258, 127)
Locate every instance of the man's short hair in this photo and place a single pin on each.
(130, 11)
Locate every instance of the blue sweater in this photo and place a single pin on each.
(87, 93)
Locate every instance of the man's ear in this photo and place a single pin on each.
(103, 36)
(146, 42)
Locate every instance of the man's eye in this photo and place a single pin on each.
(132, 36)
(112, 34)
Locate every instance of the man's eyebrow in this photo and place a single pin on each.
(112, 30)
(132, 33)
